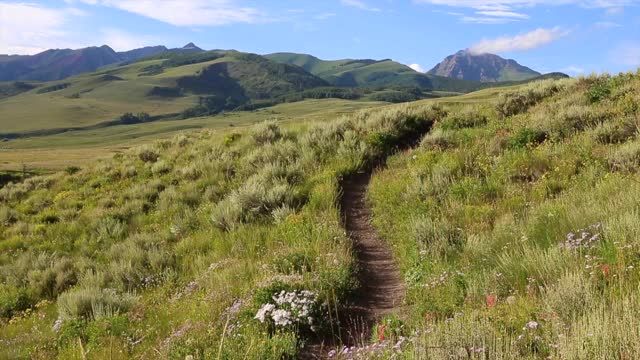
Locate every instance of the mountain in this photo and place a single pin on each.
(371, 73)
(190, 47)
(136, 54)
(58, 64)
(465, 65)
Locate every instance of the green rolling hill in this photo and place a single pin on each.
(214, 80)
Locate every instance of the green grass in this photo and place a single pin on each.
(479, 216)
(81, 147)
(170, 249)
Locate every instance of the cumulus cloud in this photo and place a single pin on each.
(186, 12)
(522, 42)
(31, 28)
(417, 68)
(359, 4)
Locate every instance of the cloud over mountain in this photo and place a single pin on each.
(527, 41)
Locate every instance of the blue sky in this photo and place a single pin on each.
(547, 35)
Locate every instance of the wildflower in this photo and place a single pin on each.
(605, 270)
(282, 317)
(429, 316)
(532, 325)
(264, 311)
(290, 308)
(57, 325)
(491, 301)
(381, 332)
(398, 345)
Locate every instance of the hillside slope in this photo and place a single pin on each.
(171, 83)
(127, 255)
(58, 64)
(465, 65)
(514, 224)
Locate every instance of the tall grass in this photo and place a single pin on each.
(540, 199)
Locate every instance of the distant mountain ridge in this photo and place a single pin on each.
(460, 72)
(57, 64)
(370, 73)
(465, 65)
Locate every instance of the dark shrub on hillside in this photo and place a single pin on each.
(617, 132)
(211, 105)
(395, 96)
(525, 137)
(148, 155)
(465, 118)
(519, 101)
(152, 70)
(12, 300)
(162, 91)
(71, 170)
(53, 88)
(129, 118)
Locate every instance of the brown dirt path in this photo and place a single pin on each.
(382, 288)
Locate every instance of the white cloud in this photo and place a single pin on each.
(359, 4)
(503, 11)
(503, 14)
(485, 20)
(573, 70)
(186, 12)
(614, 11)
(418, 68)
(509, 4)
(324, 16)
(31, 28)
(527, 41)
(606, 25)
(122, 41)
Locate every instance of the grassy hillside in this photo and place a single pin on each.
(172, 249)
(515, 225)
(55, 152)
(160, 86)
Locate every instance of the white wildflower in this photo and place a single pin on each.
(264, 312)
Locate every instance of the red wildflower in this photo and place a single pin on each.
(491, 301)
(381, 332)
(605, 270)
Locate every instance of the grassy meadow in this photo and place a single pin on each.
(55, 152)
(514, 223)
(172, 249)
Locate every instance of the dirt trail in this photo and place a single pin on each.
(382, 291)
